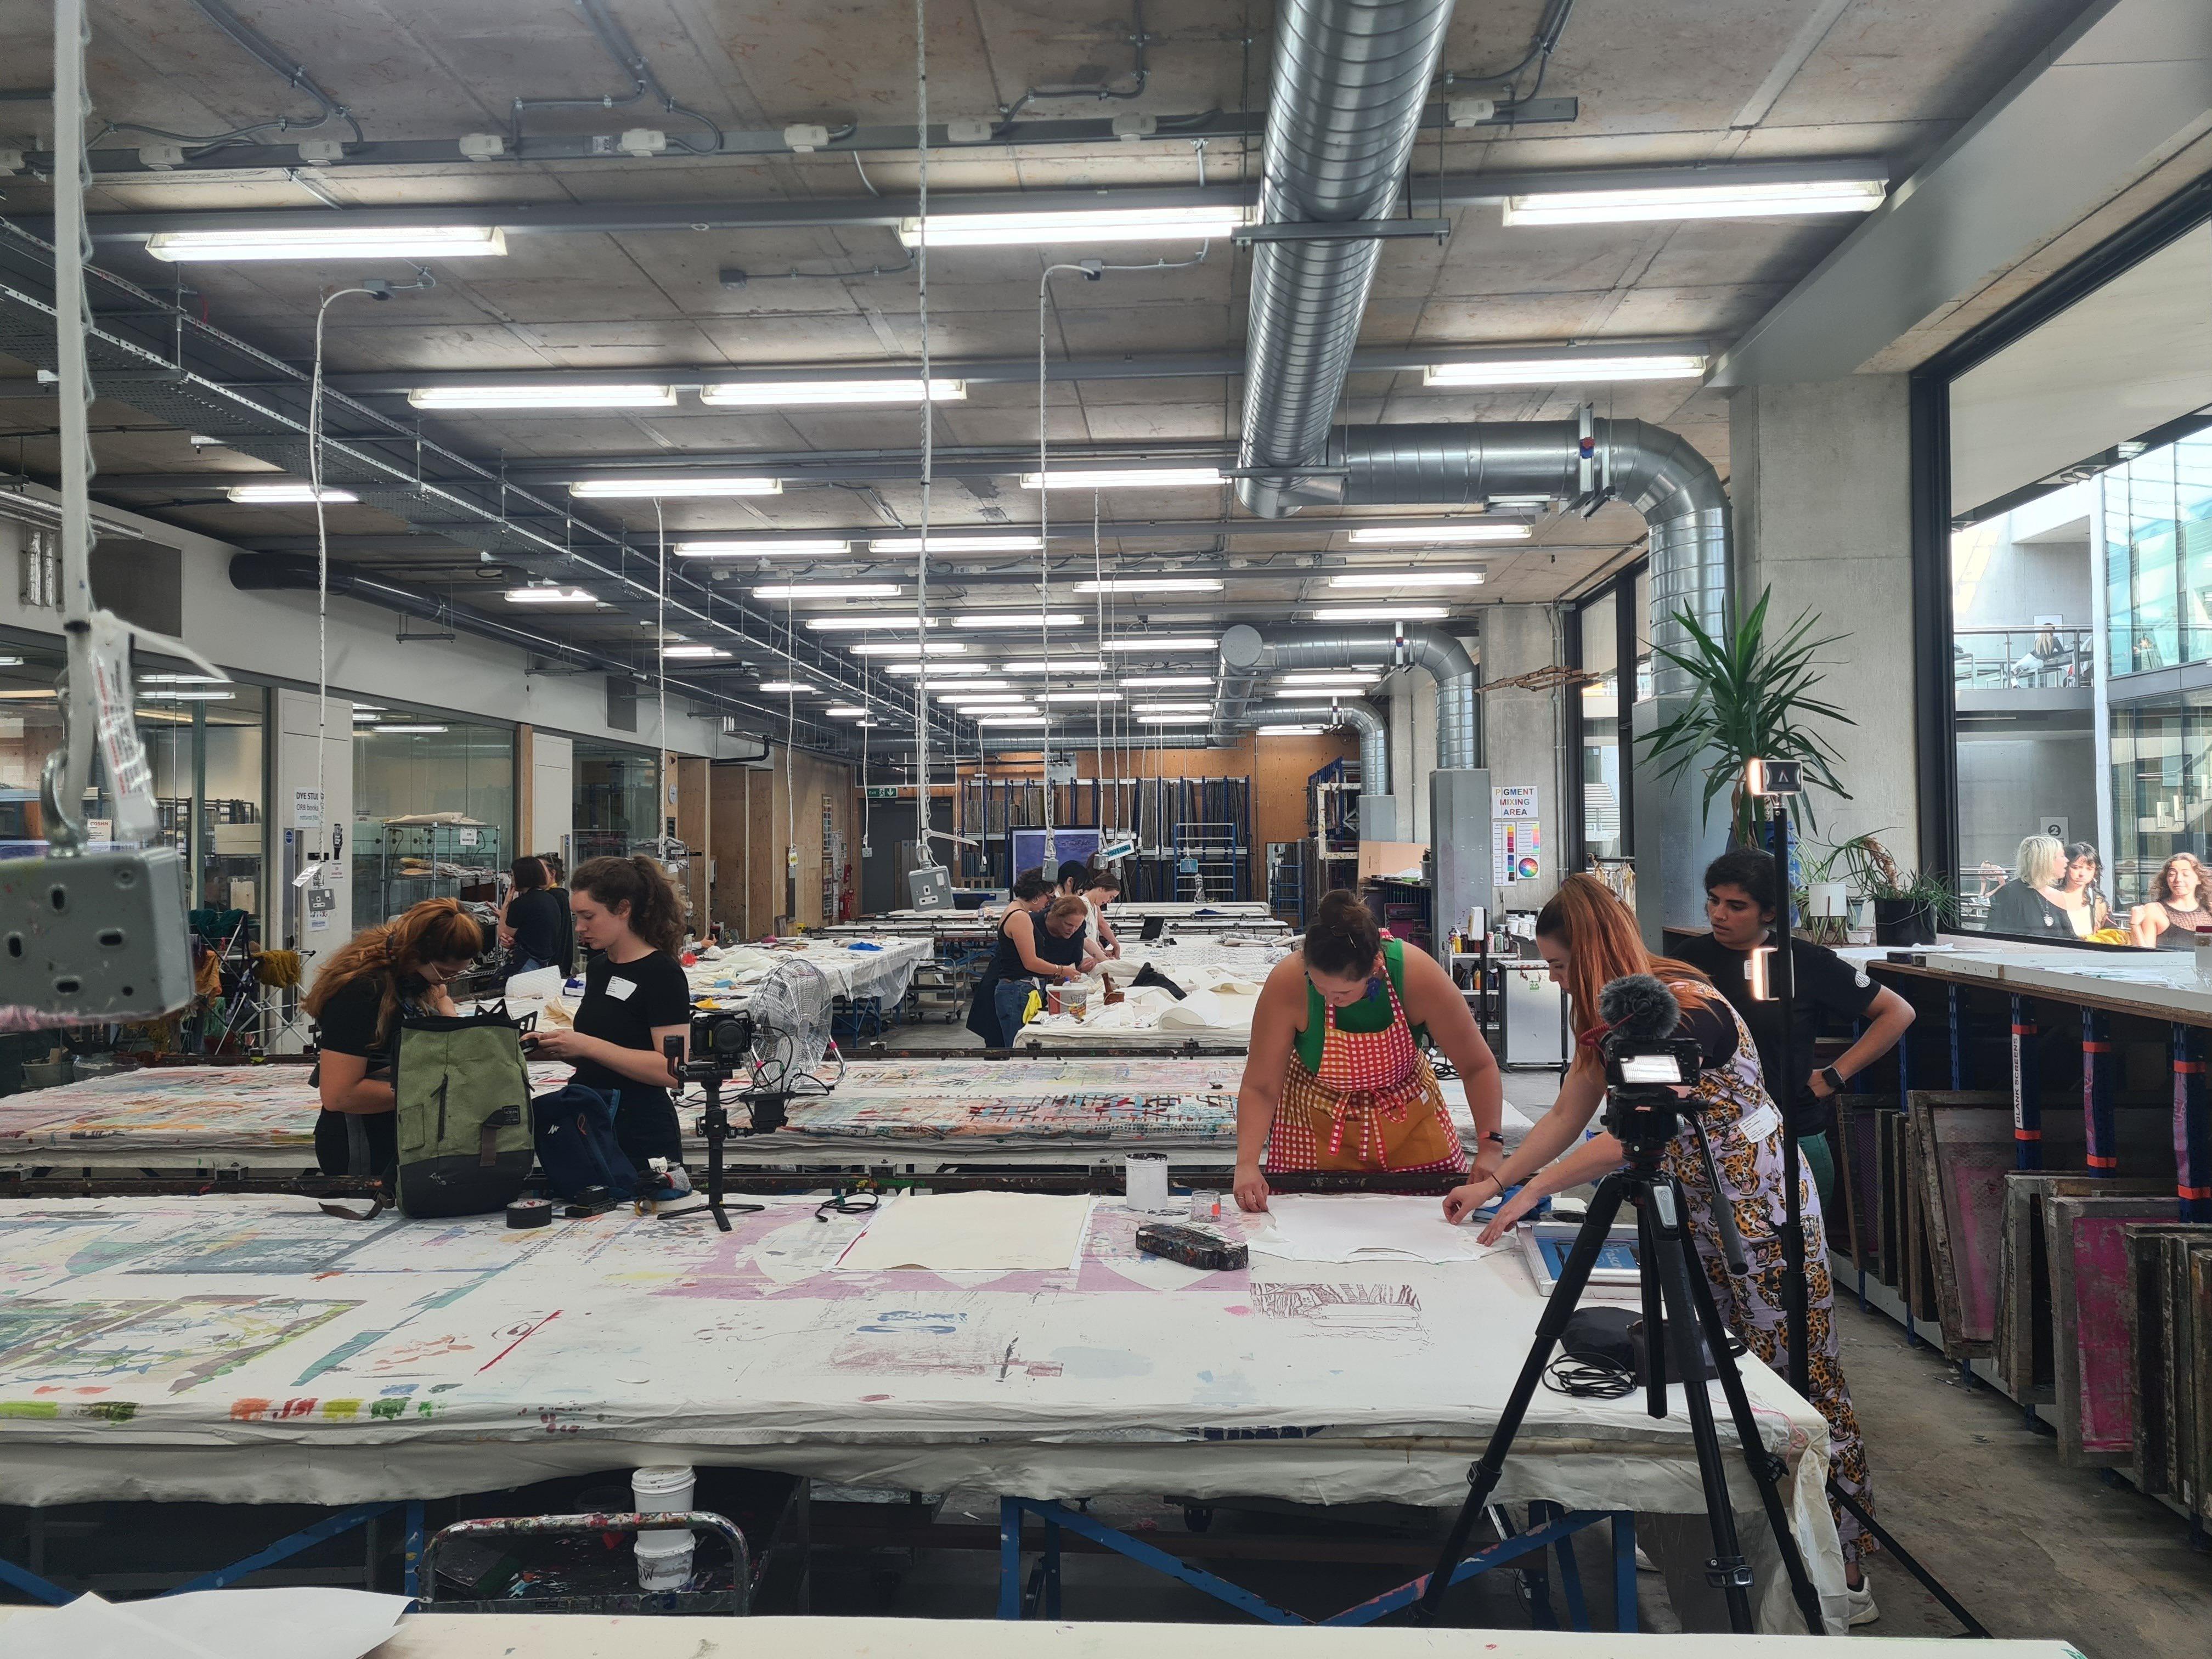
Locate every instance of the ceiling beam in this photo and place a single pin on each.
(621, 215)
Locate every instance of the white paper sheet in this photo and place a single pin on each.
(229, 1624)
(1365, 1227)
(972, 1232)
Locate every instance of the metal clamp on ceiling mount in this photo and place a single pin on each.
(1343, 230)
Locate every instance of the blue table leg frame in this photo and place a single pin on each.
(307, 1538)
(1551, 1527)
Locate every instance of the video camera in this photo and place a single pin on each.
(1644, 1063)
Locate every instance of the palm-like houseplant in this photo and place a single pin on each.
(1750, 700)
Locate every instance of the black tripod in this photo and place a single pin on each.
(1676, 1299)
(710, 1073)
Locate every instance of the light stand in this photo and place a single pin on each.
(1776, 781)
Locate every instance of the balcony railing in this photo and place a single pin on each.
(2013, 659)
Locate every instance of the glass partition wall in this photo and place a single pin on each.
(434, 810)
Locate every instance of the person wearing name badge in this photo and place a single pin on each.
(636, 998)
(1588, 939)
(1339, 1075)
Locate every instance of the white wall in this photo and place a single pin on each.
(1525, 734)
(552, 793)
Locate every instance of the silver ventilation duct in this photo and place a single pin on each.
(1350, 79)
(1656, 471)
(1247, 653)
(1362, 717)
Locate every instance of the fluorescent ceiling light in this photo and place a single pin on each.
(347, 241)
(1165, 682)
(1019, 619)
(758, 394)
(1152, 585)
(693, 651)
(1013, 720)
(951, 544)
(1552, 371)
(151, 680)
(1286, 730)
(828, 590)
(167, 696)
(1332, 676)
(551, 596)
(1406, 579)
(1083, 697)
(1493, 530)
(785, 685)
(845, 711)
(1039, 666)
(1604, 207)
(870, 621)
(1380, 613)
(1164, 644)
(943, 673)
(542, 397)
(406, 729)
(1124, 477)
(608, 489)
(1142, 708)
(963, 699)
(17, 662)
(797, 548)
(1123, 224)
(1173, 719)
(282, 495)
(883, 649)
(1294, 693)
(38, 694)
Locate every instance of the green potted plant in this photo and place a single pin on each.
(1909, 905)
(1750, 699)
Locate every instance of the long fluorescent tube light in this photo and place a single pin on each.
(1286, 730)
(542, 397)
(698, 651)
(1308, 693)
(771, 394)
(1019, 619)
(958, 684)
(1173, 719)
(963, 699)
(1152, 585)
(1493, 530)
(1013, 720)
(1165, 682)
(1554, 371)
(150, 679)
(846, 711)
(406, 729)
(787, 685)
(1606, 207)
(285, 495)
(1380, 612)
(1332, 676)
(872, 622)
(1164, 644)
(335, 242)
(1123, 224)
(1083, 697)
(828, 590)
(551, 596)
(1142, 708)
(945, 673)
(885, 648)
(798, 548)
(164, 694)
(1406, 579)
(610, 489)
(951, 544)
(1071, 666)
(1124, 477)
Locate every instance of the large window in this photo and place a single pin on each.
(1601, 729)
(434, 809)
(614, 809)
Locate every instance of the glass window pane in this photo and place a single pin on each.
(433, 811)
(1601, 729)
(614, 810)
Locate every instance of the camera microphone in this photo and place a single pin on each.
(1638, 1006)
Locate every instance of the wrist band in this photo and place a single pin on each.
(1493, 1135)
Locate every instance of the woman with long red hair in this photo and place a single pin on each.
(1588, 938)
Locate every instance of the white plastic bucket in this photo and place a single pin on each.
(663, 1566)
(665, 1490)
(1145, 1174)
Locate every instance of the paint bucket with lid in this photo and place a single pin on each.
(664, 1557)
(1146, 1176)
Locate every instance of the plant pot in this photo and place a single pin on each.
(1904, 921)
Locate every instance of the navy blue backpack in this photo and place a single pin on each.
(577, 1149)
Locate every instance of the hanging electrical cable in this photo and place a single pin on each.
(266, 53)
(664, 797)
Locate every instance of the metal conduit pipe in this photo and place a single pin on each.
(1349, 81)
(1658, 472)
(1247, 653)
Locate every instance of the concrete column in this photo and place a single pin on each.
(1820, 474)
(1527, 734)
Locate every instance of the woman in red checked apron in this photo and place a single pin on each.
(1337, 1079)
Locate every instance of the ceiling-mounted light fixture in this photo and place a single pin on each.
(1152, 585)
(1406, 579)
(1108, 224)
(1021, 619)
(1480, 530)
(869, 622)
(1554, 371)
(1714, 201)
(1380, 612)
(787, 685)
(1124, 477)
(1167, 644)
(828, 590)
(1143, 708)
(950, 544)
(609, 490)
(1083, 697)
(346, 241)
(409, 729)
(1173, 719)
(551, 596)
(1286, 730)
(285, 495)
(776, 394)
(797, 548)
(542, 397)
(1165, 682)
(1056, 665)
(887, 648)
(1013, 720)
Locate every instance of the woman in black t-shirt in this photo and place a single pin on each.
(536, 920)
(358, 996)
(636, 998)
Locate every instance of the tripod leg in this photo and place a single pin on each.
(1654, 1353)
(1482, 1478)
(1766, 1470)
(1675, 1261)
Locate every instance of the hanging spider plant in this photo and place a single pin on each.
(1750, 700)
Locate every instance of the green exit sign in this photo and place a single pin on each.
(883, 792)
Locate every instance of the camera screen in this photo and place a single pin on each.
(1650, 1068)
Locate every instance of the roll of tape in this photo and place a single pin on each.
(529, 1212)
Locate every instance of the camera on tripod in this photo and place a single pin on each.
(1642, 1111)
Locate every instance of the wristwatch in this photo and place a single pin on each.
(1833, 1077)
(1499, 1139)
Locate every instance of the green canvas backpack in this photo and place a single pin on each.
(464, 1114)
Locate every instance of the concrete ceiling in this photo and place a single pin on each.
(1652, 84)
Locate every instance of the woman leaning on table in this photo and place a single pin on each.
(1588, 938)
(1339, 1078)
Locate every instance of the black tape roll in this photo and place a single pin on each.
(529, 1212)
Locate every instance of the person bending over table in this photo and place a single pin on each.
(1036, 947)
(1013, 958)
(1075, 876)
(1337, 1076)
(1739, 904)
(400, 966)
(1588, 938)
(1101, 888)
(636, 998)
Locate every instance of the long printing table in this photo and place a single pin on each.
(253, 1349)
